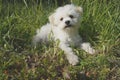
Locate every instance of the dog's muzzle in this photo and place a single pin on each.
(67, 24)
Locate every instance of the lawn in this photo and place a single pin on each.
(20, 60)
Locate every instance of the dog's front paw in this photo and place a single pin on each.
(73, 59)
(87, 47)
(91, 51)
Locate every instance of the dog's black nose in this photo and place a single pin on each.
(67, 22)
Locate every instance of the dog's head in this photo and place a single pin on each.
(66, 17)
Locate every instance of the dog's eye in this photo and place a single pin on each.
(71, 16)
(61, 19)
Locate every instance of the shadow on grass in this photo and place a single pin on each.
(88, 31)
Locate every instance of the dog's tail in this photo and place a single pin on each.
(42, 35)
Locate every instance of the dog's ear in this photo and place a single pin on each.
(51, 19)
(79, 9)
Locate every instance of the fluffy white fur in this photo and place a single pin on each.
(64, 26)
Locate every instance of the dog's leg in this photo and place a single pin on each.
(72, 58)
(87, 47)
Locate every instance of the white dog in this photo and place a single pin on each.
(64, 26)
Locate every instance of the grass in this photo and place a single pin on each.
(19, 60)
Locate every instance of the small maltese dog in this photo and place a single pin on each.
(64, 25)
